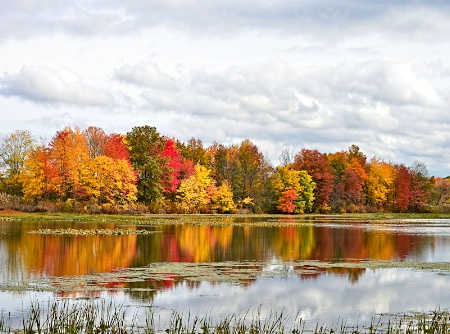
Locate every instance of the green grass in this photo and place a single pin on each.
(102, 317)
(210, 219)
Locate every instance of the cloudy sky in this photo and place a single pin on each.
(295, 74)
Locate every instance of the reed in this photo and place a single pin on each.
(94, 317)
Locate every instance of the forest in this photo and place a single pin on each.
(143, 171)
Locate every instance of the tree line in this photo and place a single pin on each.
(144, 171)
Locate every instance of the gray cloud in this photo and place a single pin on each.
(318, 74)
(383, 106)
(44, 85)
(322, 19)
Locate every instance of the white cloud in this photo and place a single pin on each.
(44, 85)
(146, 74)
(318, 74)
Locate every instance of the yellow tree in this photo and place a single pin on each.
(380, 180)
(221, 198)
(109, 183)
(192, 193)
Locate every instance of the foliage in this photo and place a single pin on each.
(68, 153)
(380, 181)
(222, 199)
(37, 175)
(441, 191)
(194, 151)
(68, 171)
(144, 171)
(421, 186)
(171, 178)
(194, 192)
(286, 201)
(146, 146)
(318, 167)
(96, 140)
(285, 181)
(402, 188)
(14, 149)
(109, 183)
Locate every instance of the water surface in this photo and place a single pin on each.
(326, 295)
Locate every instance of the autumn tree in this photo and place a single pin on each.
(194, 151)
(350, 176)
(38, 175)
(14, 149)
(354, 179)
(338, 163)
(379, 183)
(354, 152)
(221, 198)
(193, 193)
(96, 139)
(220, 163)
(286, 202)
(171, 178)
(146, 146)
(288, 179)
(402, 188)
(250, 160)
(109, 184)
(441, 191)
(421, 186)
(68, 153)
(318, 167)
(115, 147)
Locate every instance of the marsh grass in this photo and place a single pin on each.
(94, 317)
(215, 219)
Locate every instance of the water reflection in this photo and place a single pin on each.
(28, 255)
(327, 298)
(25, 255)
(316, 293)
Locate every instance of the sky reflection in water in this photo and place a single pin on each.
(328, 296)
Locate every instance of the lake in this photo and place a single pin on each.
(322, 269)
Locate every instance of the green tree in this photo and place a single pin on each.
(146, 147)
(194, 151)
(14, 149)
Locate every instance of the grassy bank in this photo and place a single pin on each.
(212, 219)
(101, 317)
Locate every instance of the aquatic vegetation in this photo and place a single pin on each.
(96, 231)
(90, 316)
(240, 273)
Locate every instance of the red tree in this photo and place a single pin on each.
(286, 202)
(318, 166)
(402, 191)
(173, 157)
(115, 147)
